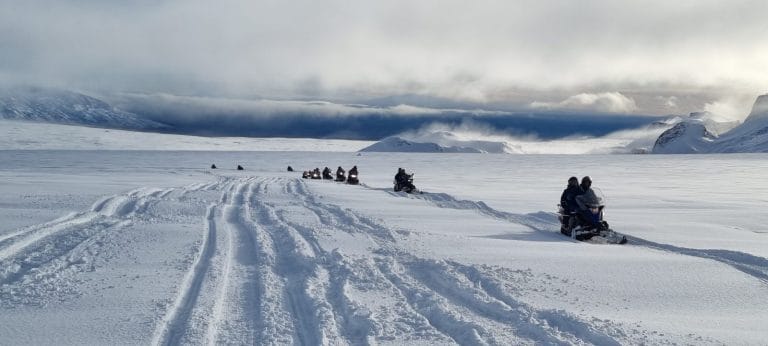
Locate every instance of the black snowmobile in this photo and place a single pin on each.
(315, 174)
(588, 223)
(341, 175)
(406, 184)
(352, 178)
(327, 173)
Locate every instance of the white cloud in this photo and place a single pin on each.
(610, 102)
(732, 108)
(489, 51)
(470, 133)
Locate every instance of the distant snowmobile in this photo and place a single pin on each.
(327, 173)
(406, 184)
(341, 175)
(589, 224)
(316, 174)
(352, 178)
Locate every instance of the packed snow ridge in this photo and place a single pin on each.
(66, 107)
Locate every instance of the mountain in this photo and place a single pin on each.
(439, 142)
(749, 137)
(699, 134)
(67, 107)
(688, 136)
(398, 144)
(759, 109)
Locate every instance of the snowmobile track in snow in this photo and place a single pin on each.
(59, 242)
(261, 273)
(264, 271)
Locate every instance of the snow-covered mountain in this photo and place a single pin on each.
(687, 136)
(440, 142)
(67, 107)
(699, 134)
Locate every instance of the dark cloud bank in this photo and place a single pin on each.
(306, 119)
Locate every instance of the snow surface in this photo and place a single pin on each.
(41, 136)
(151, 247)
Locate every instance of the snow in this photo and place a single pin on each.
(397, 144)
(458, 141)
(41, 136)
(152, 247)
(701, 136)
(690, 136)
(67, 107)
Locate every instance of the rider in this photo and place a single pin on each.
(401, 177)
(402, 181)
(586, 201)
(568, 200)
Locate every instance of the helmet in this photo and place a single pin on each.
(573, 181)
(586, 182)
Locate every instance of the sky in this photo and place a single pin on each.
(616, 57)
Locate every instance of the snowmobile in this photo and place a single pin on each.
(352, 179)
(341, 176)
(327, 173)
(589, 224)
(406, 185)
(306, 174)
(315, 174)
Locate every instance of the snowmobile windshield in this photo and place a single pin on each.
(600, 197)
(596, 199)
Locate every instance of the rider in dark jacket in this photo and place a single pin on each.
(568, 199)
(401, 177)
(403, 181)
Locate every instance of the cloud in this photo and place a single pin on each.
(510, 52)
(323, 119)
(481, 135)
(609, 102)
(732, 108)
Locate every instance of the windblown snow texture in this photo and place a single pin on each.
(191, 256)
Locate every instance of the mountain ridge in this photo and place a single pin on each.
(67, 107)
